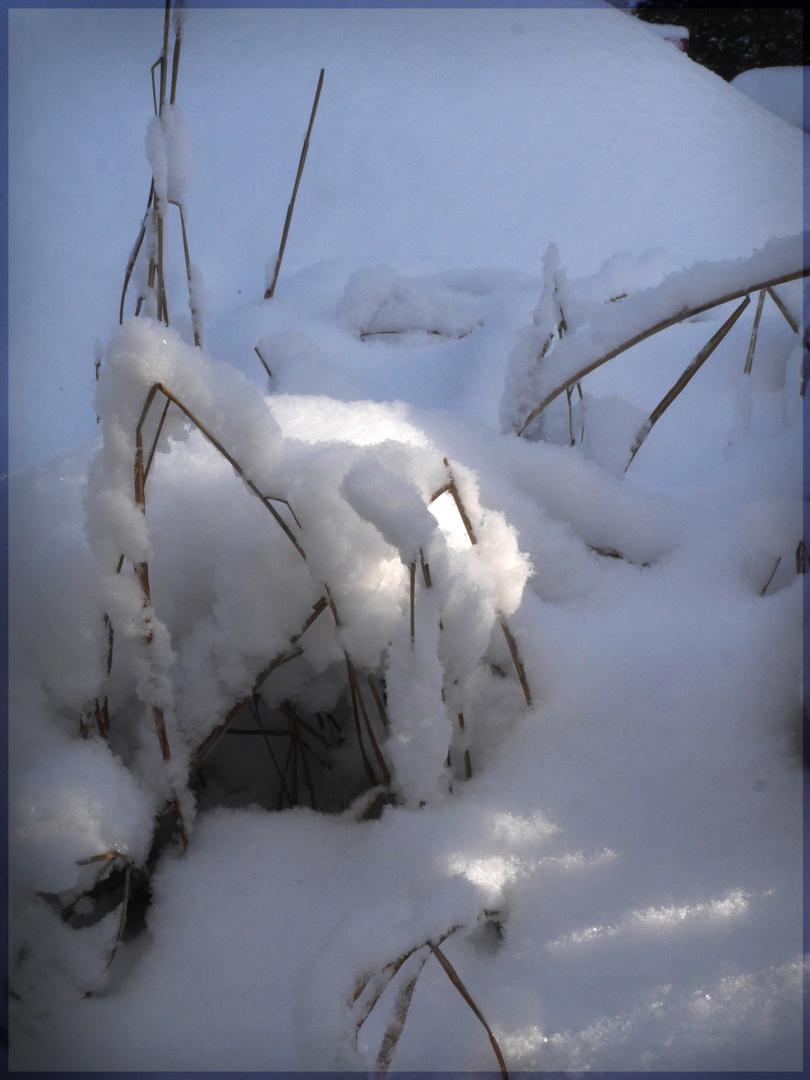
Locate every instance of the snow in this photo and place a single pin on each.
(574, 756)
(779, 89)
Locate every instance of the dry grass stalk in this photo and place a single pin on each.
(254, 709)
(162, 303)
(174, 802)
(178, 34)
(685, 378)
(513, 652)
(356, 712)
(142, 570)
(299, 749)
(108, 858)
(263, 362)
(196, 321)
(124, 904)
(672, 320)
(272, 287)
(454, 492)
(467, 762)
(412, 577)
(136, 250)
(425, 569)
(155, 441)
(455, 979)
(794, 326)
(153, 220)
(379, 703)
(164, 55)
(317, 608)
(357, 699)
(400, 1015)
(289, 711)
(377, 983)
(764, 588)
(571, 439)
(102, 717)
(212, 741)
(364, 335)
(752, 344)
(266, 500)
(452, 488)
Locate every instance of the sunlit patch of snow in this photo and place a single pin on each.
(491, 874)
(517, 829)
(674, 1029)
(315, 419)
(735, 904)
(445, 511)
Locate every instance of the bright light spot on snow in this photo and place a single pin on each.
(661, 918)
(515, 828)
(315, 419)
(445, 511)
(736, 903)
(491, 874)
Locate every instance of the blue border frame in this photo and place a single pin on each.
(4, 522)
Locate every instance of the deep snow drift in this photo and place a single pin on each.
(502, 695)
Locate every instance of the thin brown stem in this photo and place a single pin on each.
(379, 703)
(794, 326)
(412, 576)
(764, 588)
(135, 252)
(400, 1015)
(213, 740)
(513, 652)
(453, 489)
(196, 322)
(752, 344)
(178, 33)
(264, 499)
(263, 363)
(358, 697)
(155, 440)
(685, 378)
(272, 287)
(455, 979)
(164, 56)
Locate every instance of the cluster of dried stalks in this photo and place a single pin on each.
(567, 386)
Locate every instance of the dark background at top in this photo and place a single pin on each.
(729, 39)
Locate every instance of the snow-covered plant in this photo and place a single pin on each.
(605, 324)
(344, 535)
(319, 611)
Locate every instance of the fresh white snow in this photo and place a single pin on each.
(584, 683)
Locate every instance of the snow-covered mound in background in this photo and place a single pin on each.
(443, 140)
(778, 89)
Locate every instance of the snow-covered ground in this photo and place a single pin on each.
(573, 764)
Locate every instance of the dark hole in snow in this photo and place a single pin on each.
(282, 757)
